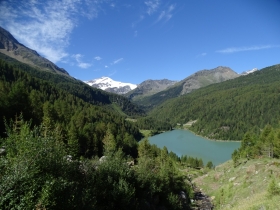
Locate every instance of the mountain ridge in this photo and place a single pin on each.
(206, 77)
(229, 109)
(150, 87)
(12, 48)
(193, 82)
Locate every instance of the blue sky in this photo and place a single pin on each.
(135, 40)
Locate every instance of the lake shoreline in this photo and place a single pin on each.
(196, 135)
(209, 138)
(184, 142)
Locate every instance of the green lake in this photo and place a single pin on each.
(183, 142)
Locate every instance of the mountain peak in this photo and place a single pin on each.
(110, 85)
(12, 48)
(249, 71)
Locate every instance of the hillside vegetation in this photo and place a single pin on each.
(195, 81)
(254, 184)
(251, 180)
(65, 145)
(75, 87)
(80, 124)
(229, 109)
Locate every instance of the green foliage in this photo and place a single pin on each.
(225, 110)
(160, 179)
(150, 123)
(38, 173)
(152, 101)
(79, 124)
(273, 188)
(191, 162)
(35, 171)
(12, 70)
(115, 183)
(210, 165)
(256, 146)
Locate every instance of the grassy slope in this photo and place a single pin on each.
(243, 187)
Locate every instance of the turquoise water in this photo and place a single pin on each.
(183, 142)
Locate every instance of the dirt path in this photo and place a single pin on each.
(201, 201)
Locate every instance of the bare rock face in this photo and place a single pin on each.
(7, 41)
(149, 87)
(120, 90)
(195, 81)
(8, 45)
(206, 77)
(12, 48)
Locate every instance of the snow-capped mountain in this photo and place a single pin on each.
(109, 85)
(249, 72)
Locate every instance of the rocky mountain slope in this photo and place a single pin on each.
(109, 85)
(195, 81)
(12, 48)
(149, 87)
(206, 77)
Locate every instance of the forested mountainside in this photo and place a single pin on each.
(51, 142)
(195, 81)
(78, 88)
(229, 109)
(82, 123)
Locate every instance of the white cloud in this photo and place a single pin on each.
(166, 14)
(98, 58)
(81, 64)
(45, 26)
(240, 49)
(152, 5)
(135, 33)
(84, 65)
(106, 66)
(117, 61)
(141, 18)
(201, 55)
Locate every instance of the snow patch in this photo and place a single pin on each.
(106, 82)
(249, 72)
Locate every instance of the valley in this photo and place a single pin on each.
(68, 145)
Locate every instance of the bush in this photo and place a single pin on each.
(273, 188)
